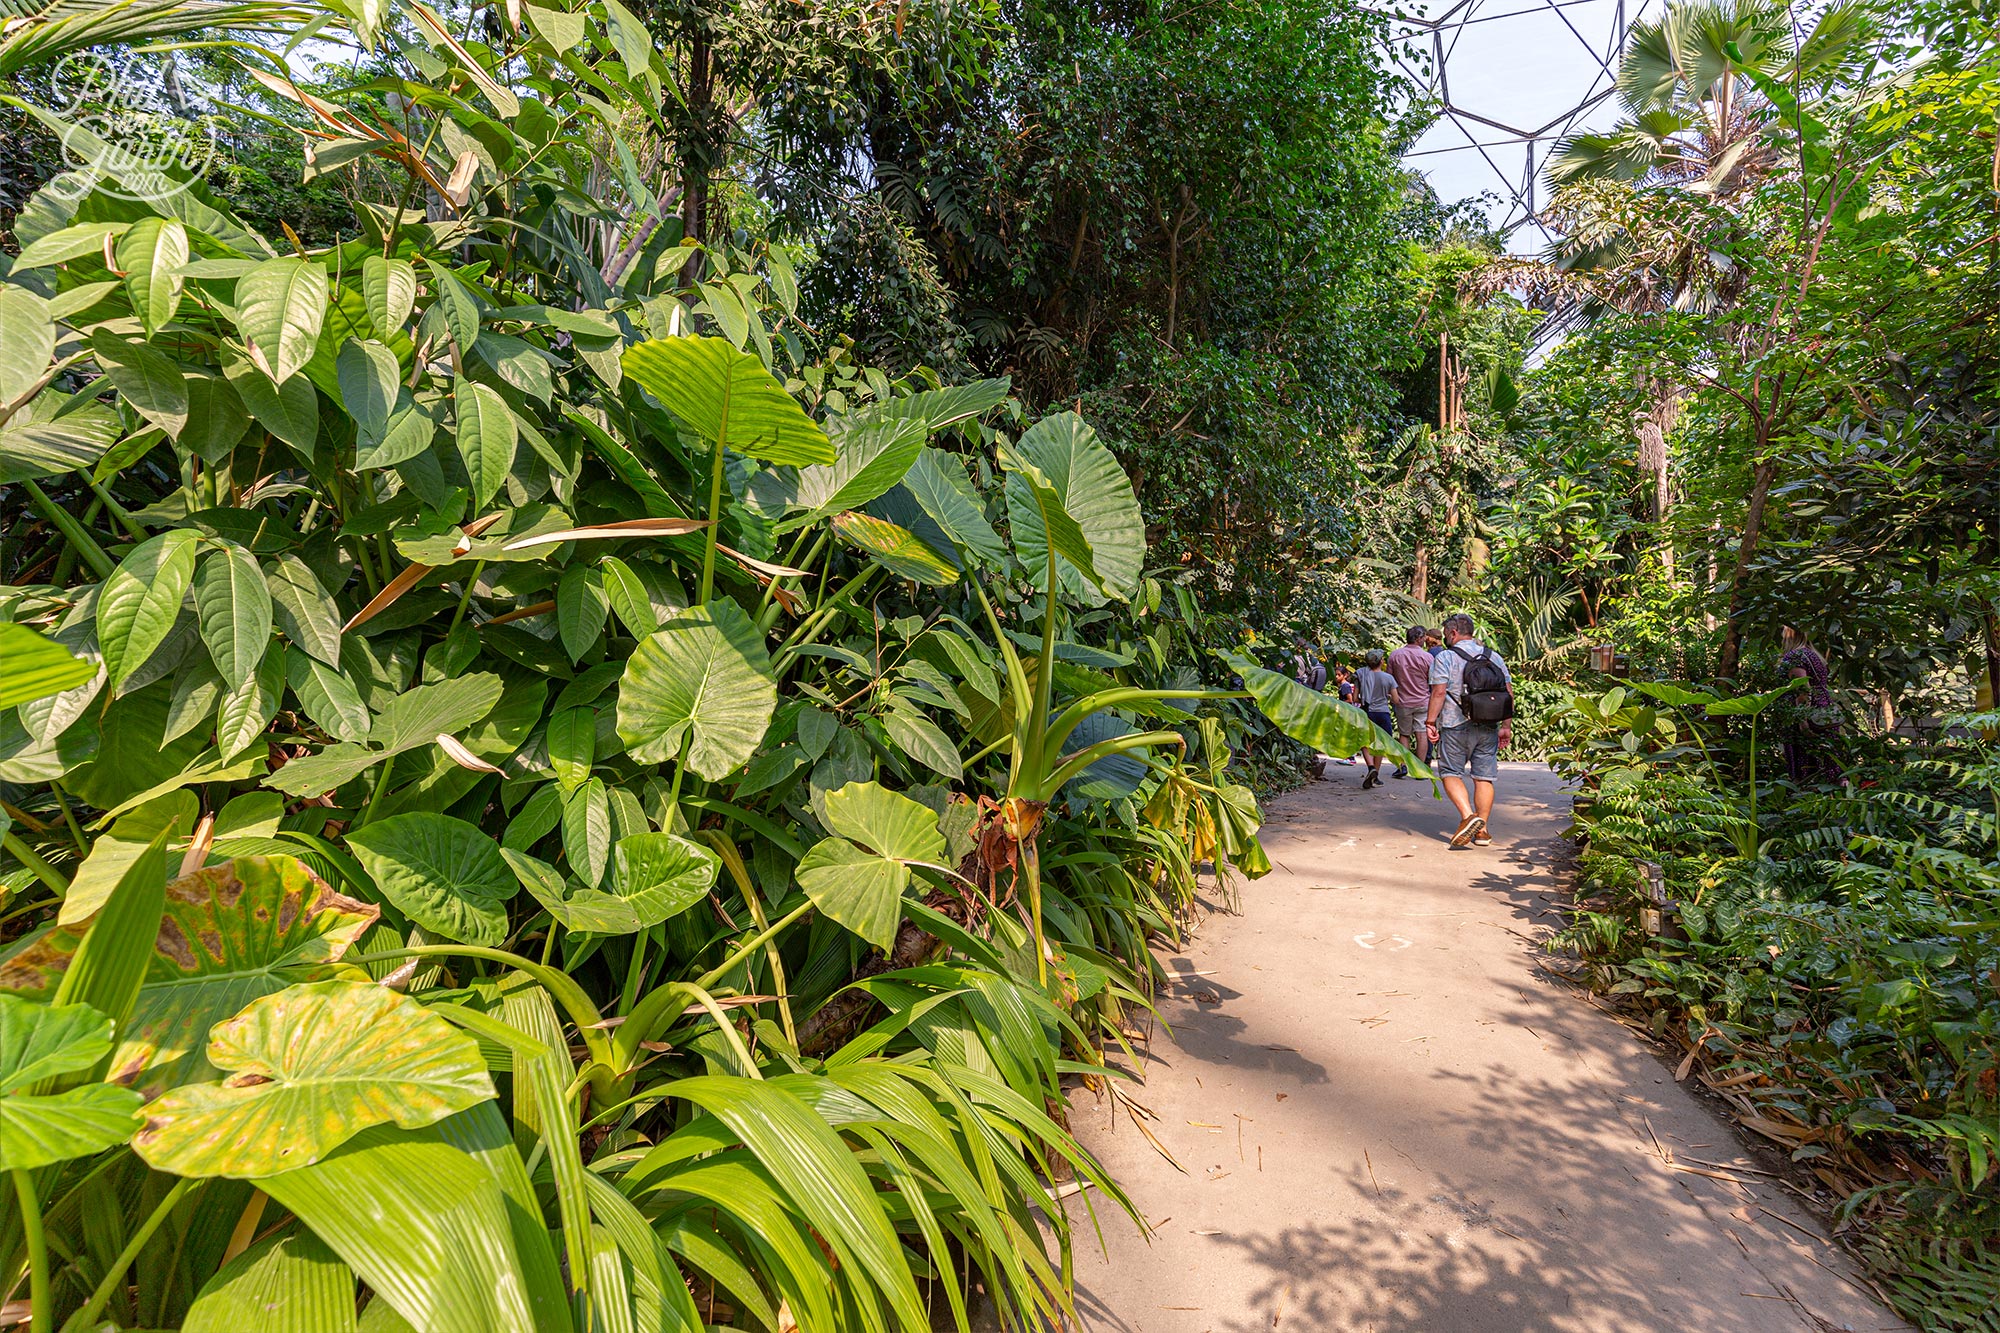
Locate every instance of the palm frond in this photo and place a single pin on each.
(39, 35)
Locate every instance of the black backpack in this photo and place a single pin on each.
(1485, 694)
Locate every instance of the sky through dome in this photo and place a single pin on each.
(1514, 77)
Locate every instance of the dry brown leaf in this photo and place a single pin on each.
(458, 186)
(637, 527)
(455, 751)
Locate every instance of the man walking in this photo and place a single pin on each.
(1374, 688)
(1411, 666)
(1472, 700)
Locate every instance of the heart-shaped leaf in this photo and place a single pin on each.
(40, 1041)
(442, 873)
(1091, 490)
(870, 457)
(726, 395)
(231, 933)
(704, 676)
(858, 877)
(310, 1067)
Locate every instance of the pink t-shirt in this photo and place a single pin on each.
(1411, 666)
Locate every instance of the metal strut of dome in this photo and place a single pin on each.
(1468, 36)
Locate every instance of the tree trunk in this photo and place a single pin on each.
(697, 147)
(1420, 581)
(1993, 654)
(1761, 477)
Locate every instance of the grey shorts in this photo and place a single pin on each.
(1470, 750)
(1410, 721)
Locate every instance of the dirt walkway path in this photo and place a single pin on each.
(1390, 1119)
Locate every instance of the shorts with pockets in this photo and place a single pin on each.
(1471, 750)
(1410, 721)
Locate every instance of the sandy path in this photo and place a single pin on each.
(1391, 1120)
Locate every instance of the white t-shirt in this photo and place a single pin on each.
(1448, 670)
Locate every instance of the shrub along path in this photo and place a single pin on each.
(1392, 1119)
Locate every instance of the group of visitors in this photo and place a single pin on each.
(1448, 697)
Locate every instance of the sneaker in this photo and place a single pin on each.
(1482, 838)
(1373, 779)
(1400, 773)
(1471, 828)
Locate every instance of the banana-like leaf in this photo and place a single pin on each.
(287, 1284)
(704, 676)
(858, 877)
(1321, 721)
(443, 873)
(311, 1067)
(38, 668)
(727, 396)
(38, 1042)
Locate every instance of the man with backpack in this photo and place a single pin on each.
(1472, 702)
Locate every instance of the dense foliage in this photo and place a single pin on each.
(504, 722)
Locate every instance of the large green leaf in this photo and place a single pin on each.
(938, 408)
(1093, 491)
(232, 933)
(310, 1067)
(151, 253)
(289, 411)
(1750, 705)
(234, 608)
(246, 710)
(487, 437)
(145, 377)
(1047, 541)
(412, 719)
(443, 873)
(288, 1284)
(726, 395)
(1319, 720)
(704, 676)
(370, 384)
(139, 603)
(870, 457)
(938, 483)
(655, 877)
(39, 668)
(34, 444)
(858, 877)
(38, 1042)
(895, 548)
(280, 308)
(29, 334)
(424, 1224)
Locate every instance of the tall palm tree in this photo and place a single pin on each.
(1695, 123)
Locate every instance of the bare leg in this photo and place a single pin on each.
(1454, 789)
(1482, 795)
